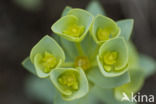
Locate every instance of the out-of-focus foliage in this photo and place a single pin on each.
(30, 5)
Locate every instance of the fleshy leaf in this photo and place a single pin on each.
(27, 64)
(95, 8)
(126, 27)
(66, 10)
(59, 100)
(147, 64)
(74, 26)
(70, 91)
(113, 57)
(137, 80)
(107, 96)
(98, 79)
(104, 29)
(133, 56)
(40, 89)
(45, 53)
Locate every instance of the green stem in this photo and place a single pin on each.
(94, 63)
(67, 64)
(79, 48)
(95, 52)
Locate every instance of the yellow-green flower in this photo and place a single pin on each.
(71, 82)
(74, 30)
(103, 29)
(46, 55)
(113, 57)
(74, 26)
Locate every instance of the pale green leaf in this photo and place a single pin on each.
(107, 96)
(98, 79)
(90, 98)
(27, 64)
(126, 27)
(95, 8)
(137, 80)
(133, 56)
(147, 64)
(40, 89)
(66, 10)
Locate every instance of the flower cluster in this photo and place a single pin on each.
(86, 51)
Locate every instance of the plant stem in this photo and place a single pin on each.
(68, 64)
(79, 48)
(95, 52)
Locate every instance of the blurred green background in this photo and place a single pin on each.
(24, 22)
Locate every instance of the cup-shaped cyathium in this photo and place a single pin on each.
(74, 26)
(46, 55)
(113, 57)
(70, 82)
(104, 28)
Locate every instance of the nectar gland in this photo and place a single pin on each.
(83, 62)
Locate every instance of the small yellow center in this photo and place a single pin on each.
(83, 62)
(110, 59)
(103, 34)
(69, 80)
(74, 30)
(48, 62)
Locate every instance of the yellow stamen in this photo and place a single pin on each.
(69, 81)
(110, 59)
(102, 34)
(74, 30)
(48, 62)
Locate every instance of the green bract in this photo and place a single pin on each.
(46, 55)
(74, 26)
(104, 29)
(71, 82)
(113, 57)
